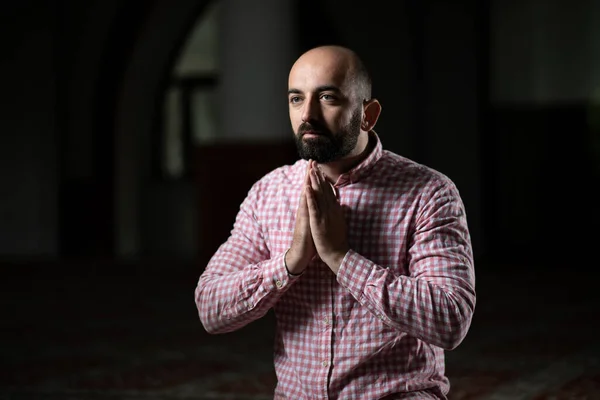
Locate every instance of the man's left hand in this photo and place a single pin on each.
(327, 222)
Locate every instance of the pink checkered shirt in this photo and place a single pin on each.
(404, 292)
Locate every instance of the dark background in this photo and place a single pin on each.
(498, 95)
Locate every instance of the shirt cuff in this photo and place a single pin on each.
(276, 276)
(354, 272)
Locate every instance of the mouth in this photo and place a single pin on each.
(312, 134)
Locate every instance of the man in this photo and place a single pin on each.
(364, 255)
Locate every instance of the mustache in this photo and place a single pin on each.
(308, 127)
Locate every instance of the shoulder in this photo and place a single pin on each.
(276, 180)
(283, 175)
(416, 183)
(430, 191)
(422, 180)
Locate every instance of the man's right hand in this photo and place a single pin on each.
(302, 249)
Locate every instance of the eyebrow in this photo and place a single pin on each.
(323, 88)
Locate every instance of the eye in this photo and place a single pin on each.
(330, 98)
(295, 99)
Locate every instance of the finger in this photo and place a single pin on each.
(314, 180)
(333, 192)
(312, 205)
(307, 175)
(329, 195)
(324, 182)
(306, 183)
(321, 191)
(303, 206)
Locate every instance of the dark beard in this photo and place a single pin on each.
(328, 147)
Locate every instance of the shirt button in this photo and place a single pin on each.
(325, 363)
(326, 321)
(279, 284)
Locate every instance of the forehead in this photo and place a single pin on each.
(308, 75)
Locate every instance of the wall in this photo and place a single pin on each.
(544, 68)
(28, 139)
(66, 71)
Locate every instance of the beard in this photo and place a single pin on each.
(328, 146)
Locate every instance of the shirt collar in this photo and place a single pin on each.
(366, 166)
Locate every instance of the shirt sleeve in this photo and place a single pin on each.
(242, 280)
(436, 301)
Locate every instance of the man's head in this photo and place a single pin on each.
(330, 105)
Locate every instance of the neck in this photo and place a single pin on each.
(363, 148)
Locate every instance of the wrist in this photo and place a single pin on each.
(334, 261)
(293, 264)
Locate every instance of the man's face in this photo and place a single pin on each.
(325, 118)
(314, 141)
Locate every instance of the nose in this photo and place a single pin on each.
(310, 109)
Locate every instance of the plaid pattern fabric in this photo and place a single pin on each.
(404, 293)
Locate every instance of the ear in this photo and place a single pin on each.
(372, 109)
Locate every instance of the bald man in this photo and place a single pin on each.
(364, 255)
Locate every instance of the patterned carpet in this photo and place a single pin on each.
(112, 336)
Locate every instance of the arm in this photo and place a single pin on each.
(242, 281)
(436, 302)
